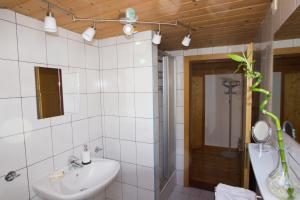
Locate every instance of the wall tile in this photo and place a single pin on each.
(7, 15)
(179, 64)
(129, 192)
(145, 154)
(108, 41)
(126, 80)
(179, 162)
(179, 98)
(57, 50)
(145, 194)
(122, 39)
(27, 78)
(29, 22)
(109, 57)
(145, 177)
(179, 115)
(143, 77)
(190, 52)
(60, 119)
(179, 147)
(61, 160)
(74, 36)
(205, 51)
(93, 81)
(80, 132)
(111, 126)
(95, 129)
(94, 107)
(128, 151)
(296, 43)
(76, 54)
(93, 145)
(10, 117)
(31, 45)
(8, 40)
(8, 191)
(179, 82)
(9, 79)
(144, 105)
(112, 149)
(38, 145)
(125, 55)
(114, 191)
(222, 49)
(179, 131)
(92, 57)
(111, 106)
(127, 128)
(143, 54)
(12, 152)
(145, 35)
(282, 44)
(129, 173)
(30, 118)
(36, 171)
(126, 104)
(82, 108)
(144, 130)
(62, 138)
(110, 80)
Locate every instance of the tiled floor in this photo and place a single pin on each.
(183, 193)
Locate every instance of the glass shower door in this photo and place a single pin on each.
(166, 100)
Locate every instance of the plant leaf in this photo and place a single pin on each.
(236, 57)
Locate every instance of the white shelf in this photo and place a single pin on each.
(262, 166)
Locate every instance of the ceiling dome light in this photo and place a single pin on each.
(186, 40)
(156, 38)
(128, 29)
(89, 33)
(50, 23)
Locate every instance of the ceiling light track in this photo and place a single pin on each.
(128, 28)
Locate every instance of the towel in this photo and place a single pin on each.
(226, 192)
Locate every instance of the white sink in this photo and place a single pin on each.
(80, 183)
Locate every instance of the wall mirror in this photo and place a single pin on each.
(49, 92)
(286, 75)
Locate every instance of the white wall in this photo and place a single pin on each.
(217, 111)
(117, 101)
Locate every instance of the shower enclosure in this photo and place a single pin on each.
(166, 103)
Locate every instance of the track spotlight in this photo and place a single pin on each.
(157, 37)
(89, 33)
(128, 29)
(186, 40)
(50, 22)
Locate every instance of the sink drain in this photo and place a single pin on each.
(82, 189)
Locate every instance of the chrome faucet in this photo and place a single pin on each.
(74, 162)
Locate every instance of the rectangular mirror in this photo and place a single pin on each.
(286, 76)
(49, 92)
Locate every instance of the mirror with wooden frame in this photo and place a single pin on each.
(49, 92)
(286, 76)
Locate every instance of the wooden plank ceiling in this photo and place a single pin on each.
(218, 22)
(291, 28)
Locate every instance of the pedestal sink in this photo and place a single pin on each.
(78, 183)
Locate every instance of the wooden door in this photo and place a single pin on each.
(247, 114)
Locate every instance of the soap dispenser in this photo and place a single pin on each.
(86, 155)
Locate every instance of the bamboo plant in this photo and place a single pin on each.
(257, 77)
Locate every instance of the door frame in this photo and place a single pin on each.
(187, 70)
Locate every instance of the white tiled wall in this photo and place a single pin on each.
(128, 93)
(116, 106)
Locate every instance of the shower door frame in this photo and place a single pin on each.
(247, 110)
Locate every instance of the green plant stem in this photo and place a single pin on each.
(257, 77)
